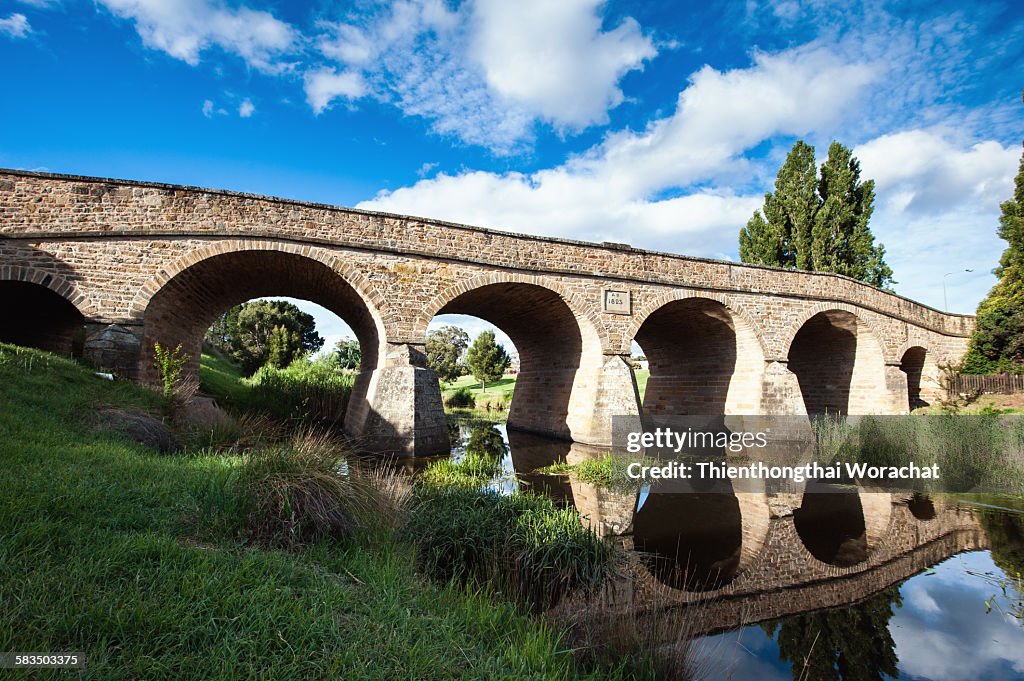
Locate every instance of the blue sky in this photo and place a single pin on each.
(659, 123)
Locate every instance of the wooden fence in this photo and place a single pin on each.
(990, 383)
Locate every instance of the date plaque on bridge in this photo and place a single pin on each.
(616, 302)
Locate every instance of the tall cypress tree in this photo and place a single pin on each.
(818, 223)
(998, 340)
(782, 236)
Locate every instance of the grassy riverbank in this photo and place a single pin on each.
(136, 559)
(500, 392)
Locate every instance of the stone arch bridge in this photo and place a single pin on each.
(138, 262)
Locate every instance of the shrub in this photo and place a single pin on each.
(307, 389)
(169, 363)
(295, 492)
(460, 399)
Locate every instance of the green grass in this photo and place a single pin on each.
(221, 378)
(134, 559)
(521, 545)
(974, 453)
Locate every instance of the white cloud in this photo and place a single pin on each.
(41, 4)
(324, 86)
(922, 172)
(185, 28)
(615, 191)
(15, 26)
(246, 108)
(208, 108)
(937, 211)
(553, 57)
(484, 73)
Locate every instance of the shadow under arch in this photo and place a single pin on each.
(42, 310)
(555, 344)
(839, 365)
(923, 381)
(704, 359)
(831, 524)
(184, 307)
(700, 540)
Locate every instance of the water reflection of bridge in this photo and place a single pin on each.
(748, 557)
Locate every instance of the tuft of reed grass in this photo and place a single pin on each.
(296, 492)
(236, 434)
(316, 390)
(304, 489)
(608, 471)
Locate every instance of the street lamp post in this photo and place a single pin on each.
(945, 302)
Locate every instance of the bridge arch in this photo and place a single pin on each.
(590, 325)
(180, 303)
(42, 310)
(839, 362)
(558, 339)
(375, 301)
(706, 356)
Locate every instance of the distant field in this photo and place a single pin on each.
(508, 383)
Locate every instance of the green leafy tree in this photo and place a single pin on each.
(444, 350)
(284, 346)
(818, 222)
(244, 332)
(348, 354)
(486, 359)
(224, 330)
(997, 343)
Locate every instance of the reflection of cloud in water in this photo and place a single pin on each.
(941, 632)
(921, 600)
(746, 654)
(964, 644)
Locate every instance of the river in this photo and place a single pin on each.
(805, 586)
